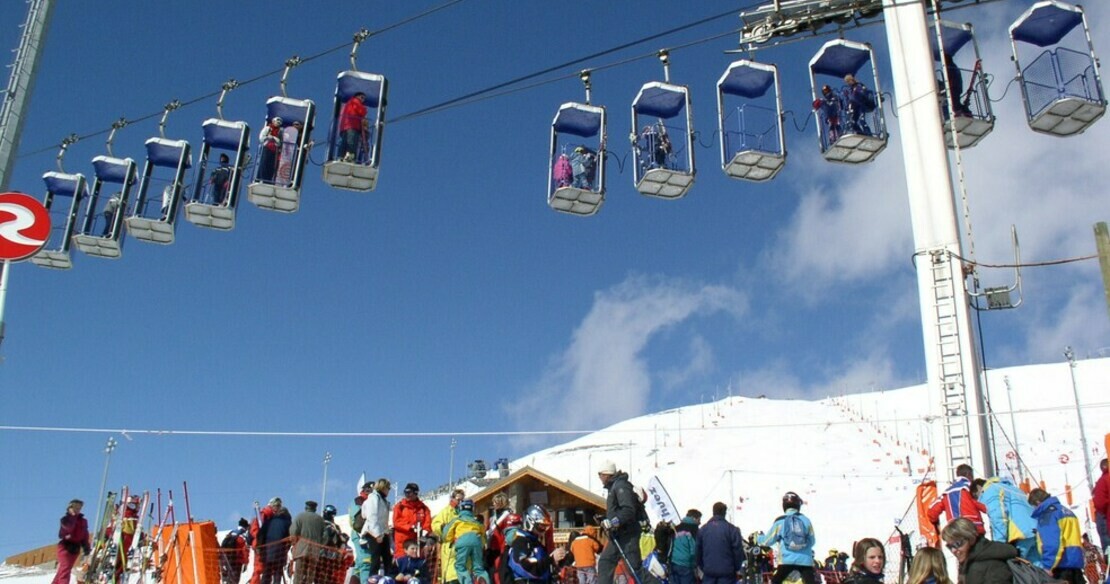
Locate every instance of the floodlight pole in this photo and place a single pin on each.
(1070, 356)
(324, 490)
(108, 448)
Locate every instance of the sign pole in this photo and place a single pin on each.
(5, 269)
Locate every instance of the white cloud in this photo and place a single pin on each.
(602, 376)
(701, 361)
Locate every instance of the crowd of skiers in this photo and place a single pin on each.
(406, 543)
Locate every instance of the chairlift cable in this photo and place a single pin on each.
(259, 77)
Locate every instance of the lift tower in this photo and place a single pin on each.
(957, 404)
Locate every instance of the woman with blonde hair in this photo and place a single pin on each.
(929, 567)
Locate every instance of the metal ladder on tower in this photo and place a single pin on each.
(957, 433)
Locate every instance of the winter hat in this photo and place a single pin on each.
(310, 506)
(467, 505)
(244, 523)
(607, 467)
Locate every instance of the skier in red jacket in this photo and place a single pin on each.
(411, 519)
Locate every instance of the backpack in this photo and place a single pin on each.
(1026, 573)
(357, 521)
(795, 536)
(869, 103)
(230, 540)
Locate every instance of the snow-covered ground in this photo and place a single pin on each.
(855, 459)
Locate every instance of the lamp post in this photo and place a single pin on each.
(104, 479)
(1070, 356)
(451, 468)
(324, 490)
(1013, 429)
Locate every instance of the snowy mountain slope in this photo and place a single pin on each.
(846, 455)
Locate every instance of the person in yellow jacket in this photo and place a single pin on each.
(468, 536)
(446, 569)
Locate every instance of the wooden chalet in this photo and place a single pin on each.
(571, 506)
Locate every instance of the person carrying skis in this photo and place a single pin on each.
(622, 523)
(411, 519)
(794, 534)
(468, 537)
(527, 560)
(234, 554)
(73, 536)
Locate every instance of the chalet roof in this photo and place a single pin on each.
(527, 471)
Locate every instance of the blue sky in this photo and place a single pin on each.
(452, 298)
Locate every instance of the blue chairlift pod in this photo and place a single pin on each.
(101, 231)
(576, 163)
(357, 170)
(277, 186)
(63, 193)
(154, 213)
(1062, 86)
(216, 189)
(662, 140)
(973, 117)
(856, 131)
(749, 119)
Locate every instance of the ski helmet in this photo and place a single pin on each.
(791, 500)
(536, 519)
(330, 510)
(510, 520)
(467, 505)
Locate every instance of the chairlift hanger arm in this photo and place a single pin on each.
(290, 63)
(169, 107)
(228, 85)
(70, 139)
(359, 38)
(116, 126)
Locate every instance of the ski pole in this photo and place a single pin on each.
(191, 542)
(620, 550)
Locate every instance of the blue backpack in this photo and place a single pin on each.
(795, 536)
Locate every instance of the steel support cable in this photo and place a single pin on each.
(207, 96)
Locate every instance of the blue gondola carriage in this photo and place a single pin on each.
(101, 231)
(153, 215)
(216, 188)
(749, 119)
(283, 150)
(851, 127)
(968, 117)
(64, 192)
(356, 168)
(662, 138)
(1062, 86)
(576, 162)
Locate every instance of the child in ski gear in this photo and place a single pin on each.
(563, 173)
(958, 502)
(828, 108)
(352, 125)
(868, 561)
(411, 519)
(468, 537)
(794, 534)
(981, 561)
(582, 163)
(73, 536)
(620, 521)
(929, 567)
(410, 567)
(527, 559)
(1057, 537)
(585, 548)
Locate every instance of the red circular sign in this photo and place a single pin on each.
(1064, 459)
(24, 226)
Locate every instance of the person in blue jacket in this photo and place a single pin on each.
(720, 549)
(794, 534)
(1058, 536)
(1011, 517)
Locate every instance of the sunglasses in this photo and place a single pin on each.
(954, 545)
